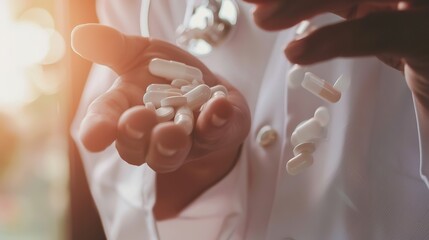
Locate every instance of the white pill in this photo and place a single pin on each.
(198, 96)
(171, 70)
(196, 82)
(185, 118)
(184, 121)
(175, 90)
(187, 88)
(155, 97)
(322, 115)
(150, 106)
(219, 88)
(174, 101)
(178, 83)
(296, 76)
(342, 84)
(304, 147)
(320, 88)
(158, 87)
(185, 110)
(308, 131)
(302, 27)
(164, 114)
(299, 163)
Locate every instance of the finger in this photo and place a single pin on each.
(134, 131)
(276, 15)
(99, 127)
(107, 46)
(224, 121)
(169, 147)
(284, 14)
(400, 33)
(260, 1)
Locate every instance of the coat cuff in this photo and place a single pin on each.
(217, 214)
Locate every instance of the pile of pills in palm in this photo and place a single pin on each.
(185, 93)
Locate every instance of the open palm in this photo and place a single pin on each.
(189, 164)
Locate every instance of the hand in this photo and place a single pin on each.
(190, 163)
(398, 33)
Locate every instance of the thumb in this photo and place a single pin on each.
(107, 46)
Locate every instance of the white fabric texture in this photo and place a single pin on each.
(368, 179)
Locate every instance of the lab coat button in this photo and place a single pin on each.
(266, 136)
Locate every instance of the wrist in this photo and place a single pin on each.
(176, 190)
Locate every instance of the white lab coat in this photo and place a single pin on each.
(368, 179)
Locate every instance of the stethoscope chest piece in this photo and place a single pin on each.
(207, 25)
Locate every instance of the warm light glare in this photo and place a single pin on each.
(17, 90)
(57, 48)
(30, 43)
(38, 16)
(25, 45)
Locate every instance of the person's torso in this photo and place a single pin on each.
(364, 183)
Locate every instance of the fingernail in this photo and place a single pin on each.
(218, 94)
(295, 51)
(218, 121)
(165, 151)
(133, 133)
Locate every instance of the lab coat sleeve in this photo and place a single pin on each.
(423, 129)
(217, 214)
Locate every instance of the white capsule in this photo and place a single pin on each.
(322, 115)
(198, 96)
(150, 106)
(175, 90)
(308, 131)
(219, 88)
(320, 88)
(158, 87)
(187, 88)
(164, 114)
(178, 83)
(185, 118)
(171, 70)
(342, 84)
(184, 121)
(304, 147)
(299, 163)
(185, 110)
(174, 101)
(296, 76)
(155, 97)
(196, 82)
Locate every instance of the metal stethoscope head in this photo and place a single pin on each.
(206, 24)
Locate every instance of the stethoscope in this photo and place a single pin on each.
(206, 24)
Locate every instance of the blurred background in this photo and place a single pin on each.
(37, 102)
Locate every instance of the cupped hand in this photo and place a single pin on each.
(193, 162)
(396, 32)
